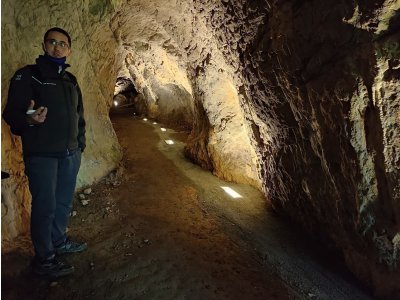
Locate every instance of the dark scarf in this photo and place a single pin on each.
(59, 61)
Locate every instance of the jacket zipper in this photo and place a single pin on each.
(68, 112)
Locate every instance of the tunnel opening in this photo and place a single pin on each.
(124, 93)
(153, 83)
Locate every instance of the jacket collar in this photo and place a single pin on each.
(50, 68)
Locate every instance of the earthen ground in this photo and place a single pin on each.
(164, 229)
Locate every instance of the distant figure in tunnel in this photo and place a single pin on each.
(45, 108)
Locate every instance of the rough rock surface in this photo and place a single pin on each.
(174, 61)
(322, 78)
(298, 98)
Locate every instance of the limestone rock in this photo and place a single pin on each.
(87, 191)
(300, 98)
(322, 100)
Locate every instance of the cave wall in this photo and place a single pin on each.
(184, 80)
(320, 81)
(162, 47)
(298, 98)
(92, 61)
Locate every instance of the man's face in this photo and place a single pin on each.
(56, 45)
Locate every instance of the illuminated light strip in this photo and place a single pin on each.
(231, 192)
(169, 142)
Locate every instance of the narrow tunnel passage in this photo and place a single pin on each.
(166, 230)
(124, 93)
(277, 95)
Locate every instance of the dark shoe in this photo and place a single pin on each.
(70, 247)
(51, 267)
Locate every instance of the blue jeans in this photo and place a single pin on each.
(52, 182)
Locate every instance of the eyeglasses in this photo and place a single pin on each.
(54, 43)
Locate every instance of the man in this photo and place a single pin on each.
(45, 108)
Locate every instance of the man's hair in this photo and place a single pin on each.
(58, 30)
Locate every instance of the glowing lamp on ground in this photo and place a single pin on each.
(169, 142)
(231, 192)
(163, 129)
(145, 119)
(115, 103)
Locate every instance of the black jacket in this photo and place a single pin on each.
(63, 130)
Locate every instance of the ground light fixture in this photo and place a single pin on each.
(154, 123)
(115, 103)
(145, 119)
(231, 192)
(163, 129)
(169, 142)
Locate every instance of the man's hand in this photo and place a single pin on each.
(38, 116)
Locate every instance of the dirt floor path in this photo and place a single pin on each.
(165, 229)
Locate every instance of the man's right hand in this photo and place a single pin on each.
(39, 116)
